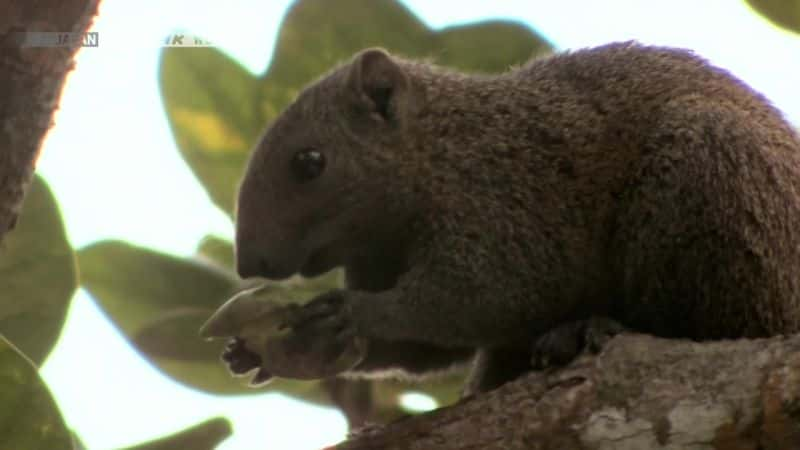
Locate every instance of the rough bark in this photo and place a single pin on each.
(639, 393)
(31, 80)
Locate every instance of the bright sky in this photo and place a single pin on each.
(116, 172)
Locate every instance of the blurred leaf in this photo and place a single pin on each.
(213, 115)
(299, 288)
(217, 110)
(217, 250)
(784, 13)
(316, 35)
(37, 275)
(506, 44)
(29, 417)
(139, 289)
(203, 436)
(174, 336)
(136, 285)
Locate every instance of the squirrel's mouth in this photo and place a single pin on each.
(319, 262)
(276, 266)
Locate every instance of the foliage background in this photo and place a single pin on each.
(216, 108)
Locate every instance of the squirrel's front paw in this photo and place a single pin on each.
(327, 313)
(565, 342)
(324, 330)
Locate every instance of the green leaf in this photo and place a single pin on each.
(29, 417)
(37, 275)
(136, 285)
(203, 436)
(174, 335)
(217, 250)
(217, 110)
(140, 289)
(510, 44)
(784, 13)
(213, 115)
(314, 36)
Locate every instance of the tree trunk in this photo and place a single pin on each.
(639, 393)
(31, 79)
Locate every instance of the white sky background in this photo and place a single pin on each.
(113, 165)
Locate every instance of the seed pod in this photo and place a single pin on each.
(255, 317)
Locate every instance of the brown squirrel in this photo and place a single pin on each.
(528, 214)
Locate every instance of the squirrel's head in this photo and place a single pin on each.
(322, 182)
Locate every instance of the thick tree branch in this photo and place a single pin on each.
(30, 86)
(639, 393)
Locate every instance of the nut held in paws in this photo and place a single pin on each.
(255, 317)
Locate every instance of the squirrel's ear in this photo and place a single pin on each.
(378, 84)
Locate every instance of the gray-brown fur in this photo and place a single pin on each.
(478, 212)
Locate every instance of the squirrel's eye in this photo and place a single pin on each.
(307, 165)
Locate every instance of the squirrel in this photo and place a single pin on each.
(519, 219)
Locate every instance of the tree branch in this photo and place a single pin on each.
(639, 393)
(31, 80)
